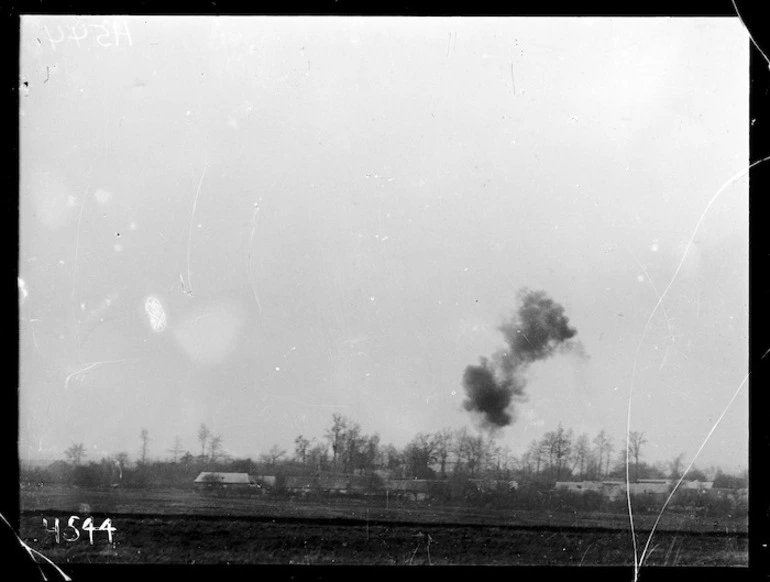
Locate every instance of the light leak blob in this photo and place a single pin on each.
(22, 289)
(102, 196)
(53, 201)
(155, 314)
(209, 334)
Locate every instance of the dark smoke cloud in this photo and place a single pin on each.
(534, 332)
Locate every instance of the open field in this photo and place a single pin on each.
(184, 526)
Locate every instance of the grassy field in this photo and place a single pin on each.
(185, 526)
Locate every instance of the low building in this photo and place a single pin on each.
(330, 483)
(580, 486)
(697, 485)
(265, 482)
(302, 484)
(651, 487)
(613, 490)
(341, 484)
(414, 488)
(233, 481)
(494, 485)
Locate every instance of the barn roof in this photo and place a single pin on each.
(409, 485)
(333, 481)
(300, 482)
(226, 478)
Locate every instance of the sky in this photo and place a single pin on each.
(255, 223)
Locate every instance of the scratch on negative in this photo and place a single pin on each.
(637, 562)
(665, 313)
(189, 234)
(91, 366)
(32, 552)
(74, 270)
(764, 56)
(251, 242)
(645, 553)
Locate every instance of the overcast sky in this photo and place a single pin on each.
(255, 223)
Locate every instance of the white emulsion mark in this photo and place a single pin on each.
(155, 314)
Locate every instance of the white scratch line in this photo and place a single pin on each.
(251, 242)
(189, 234)
(697, 227)
(764, 56)
(92, 365)
(644, 334)
(33, 553)
(665, 313)
(703, 444)
(74, 271)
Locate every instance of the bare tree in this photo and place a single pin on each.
(318, 455)
(471, 450)
(215, 447)
(145, 437)
(203, 437)
(418, 454)
(177, 449)
(636, 441)
(336, 436)
(392, 459)
(558, 445)
(499, 459)
(301, 445)
(75, 453)
(122, 460)
(580, 453)
(535, 455)
(506, 461)
(370, 452)
(273, 455)
(442, 442)
(675, 466)
(352, 442)
(593, 470)
(526, 462)
(603, 447)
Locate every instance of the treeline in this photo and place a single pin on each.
(345, 448)
(558, 456)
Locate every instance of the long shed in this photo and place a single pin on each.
(217, 480)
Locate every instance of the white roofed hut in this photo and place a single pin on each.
(235, 482)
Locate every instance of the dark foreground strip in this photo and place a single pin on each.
(361, 522)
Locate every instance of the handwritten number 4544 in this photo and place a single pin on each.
(88, 525)
(101, 33)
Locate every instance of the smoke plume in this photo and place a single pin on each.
(535, 332)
